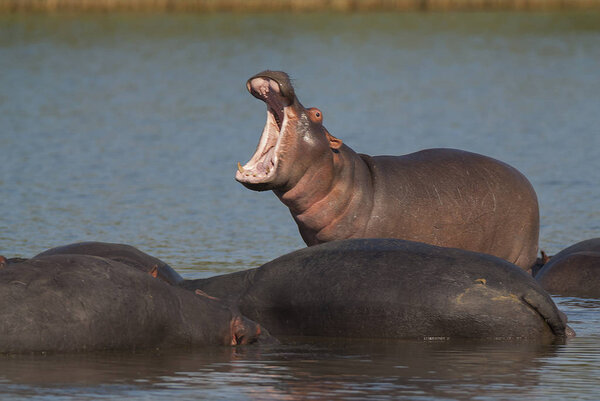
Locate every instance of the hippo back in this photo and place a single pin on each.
(125, 254)
(574, 271)
(589, 245)
(388, 288)
(76, 303)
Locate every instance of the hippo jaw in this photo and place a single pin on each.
(245, 331)
(274, 89)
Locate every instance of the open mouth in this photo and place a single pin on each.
(265, 160)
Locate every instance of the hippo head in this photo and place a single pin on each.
(292, 141)
(246, 331)
(241, 329)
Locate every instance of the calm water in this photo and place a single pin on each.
(127, 128)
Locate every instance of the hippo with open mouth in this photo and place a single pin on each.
(444, 197)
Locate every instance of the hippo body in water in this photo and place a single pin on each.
(390, 288)
(74, 303)
(574, 271)
(444, 197)
(125, 254)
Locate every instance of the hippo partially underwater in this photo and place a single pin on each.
(390, 288)
(358, 288)
(123, 253)
(75, 303)
(444, 197)
(574, 271)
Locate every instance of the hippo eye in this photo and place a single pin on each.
(315, 115)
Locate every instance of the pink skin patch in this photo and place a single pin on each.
(264, 162)
(203, 294)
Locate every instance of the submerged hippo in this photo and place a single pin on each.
(125, 254)
(390, 288)
(70, 303)
(443, 197)
(574, 271)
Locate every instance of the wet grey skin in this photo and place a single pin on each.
(574, 271)
(390, 288)
(83, 303)
(123, 253)
(358, 288)
(443, 197)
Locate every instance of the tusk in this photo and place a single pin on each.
(240, 168)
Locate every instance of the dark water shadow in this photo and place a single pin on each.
(303, 368)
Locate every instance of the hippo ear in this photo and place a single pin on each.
(334, 143)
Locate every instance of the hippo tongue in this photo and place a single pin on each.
(266, 164)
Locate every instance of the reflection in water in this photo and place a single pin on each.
(410, 368)
(312, 369)
(304, 368)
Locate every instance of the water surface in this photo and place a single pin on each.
(127, 128)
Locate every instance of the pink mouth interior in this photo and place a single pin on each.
(264, 161)
(268, 91)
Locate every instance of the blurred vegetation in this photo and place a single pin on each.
(15, 6)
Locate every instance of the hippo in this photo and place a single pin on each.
(4, 262)
(393, 289)
(445, 197)
(75, 303)
(123, 253)
(574, 271)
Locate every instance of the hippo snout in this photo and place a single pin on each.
(261, 84)
(246, 331)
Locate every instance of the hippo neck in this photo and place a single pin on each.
(333, 199)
